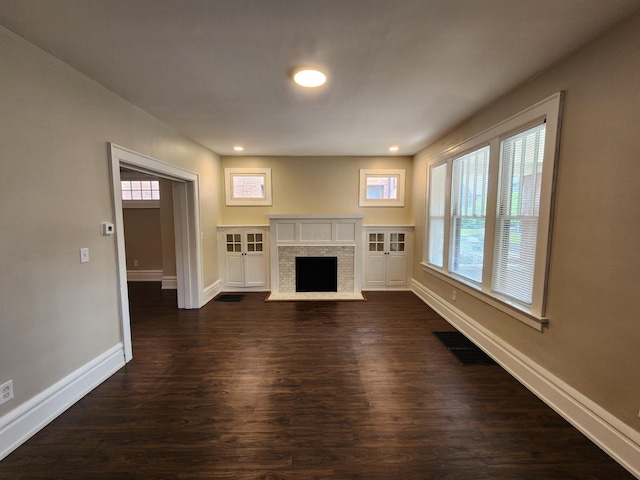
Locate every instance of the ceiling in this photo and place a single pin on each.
(400, 72)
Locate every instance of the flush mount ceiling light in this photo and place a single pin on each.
(394, 148)
(238, 148)
(309, 77)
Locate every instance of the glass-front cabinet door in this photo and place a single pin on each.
(246, 259)
(386, 258)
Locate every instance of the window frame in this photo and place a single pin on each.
(231, 200)
(366, 173)
(546, 111)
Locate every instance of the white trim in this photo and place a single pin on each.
(512, 309)
(144, 275)
(211, 291)
(187, 231)
(613, 436)
(20, 424)
(169, 282)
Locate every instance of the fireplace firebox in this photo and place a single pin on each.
(316, 274)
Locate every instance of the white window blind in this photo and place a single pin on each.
(521, 159)
(437, 203)
(469, 180)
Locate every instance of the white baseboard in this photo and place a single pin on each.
(169, 282)
(210, 292)
(144, 275)
(21, 423)
(616, 438)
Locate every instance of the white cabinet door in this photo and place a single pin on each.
(255, 268)
(386, 259)
(376, 265)
(234, 259)
(246, 257)
(396, 273)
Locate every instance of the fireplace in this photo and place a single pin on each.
(316, 274)
(315, 236)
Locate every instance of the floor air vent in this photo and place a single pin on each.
(464, 349)
(229, 298)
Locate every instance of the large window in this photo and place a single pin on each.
(489, 210)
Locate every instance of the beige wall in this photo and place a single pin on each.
(594, 334)
(318, 185)
(55, 190)
(143, 240)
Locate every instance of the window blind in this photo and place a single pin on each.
(437, 202)
(521, 158)
(469, 178)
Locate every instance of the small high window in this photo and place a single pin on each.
(247, 186)
(381, 188)
(140, 189)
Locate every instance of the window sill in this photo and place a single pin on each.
(513, 310)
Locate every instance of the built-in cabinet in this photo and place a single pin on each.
(245, 257)
(384, 253)
(387, 257)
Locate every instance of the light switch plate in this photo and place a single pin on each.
(84, 255)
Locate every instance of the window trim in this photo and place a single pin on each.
(548, 110)
(366, 173)
(229, 173)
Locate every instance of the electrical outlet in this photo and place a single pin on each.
(135, 263)
(454, 294)
(84, 255)
(6, 391)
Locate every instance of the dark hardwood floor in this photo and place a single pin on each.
(303, 390)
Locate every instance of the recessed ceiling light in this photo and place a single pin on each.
(309, 77)
(238, 148)
(395, 148)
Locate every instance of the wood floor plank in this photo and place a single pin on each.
(303, 390)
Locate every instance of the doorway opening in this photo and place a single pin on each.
(186, 226)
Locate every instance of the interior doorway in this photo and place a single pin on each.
(147, 209)
(186, 226)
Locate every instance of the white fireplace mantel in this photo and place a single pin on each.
(317, 235)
